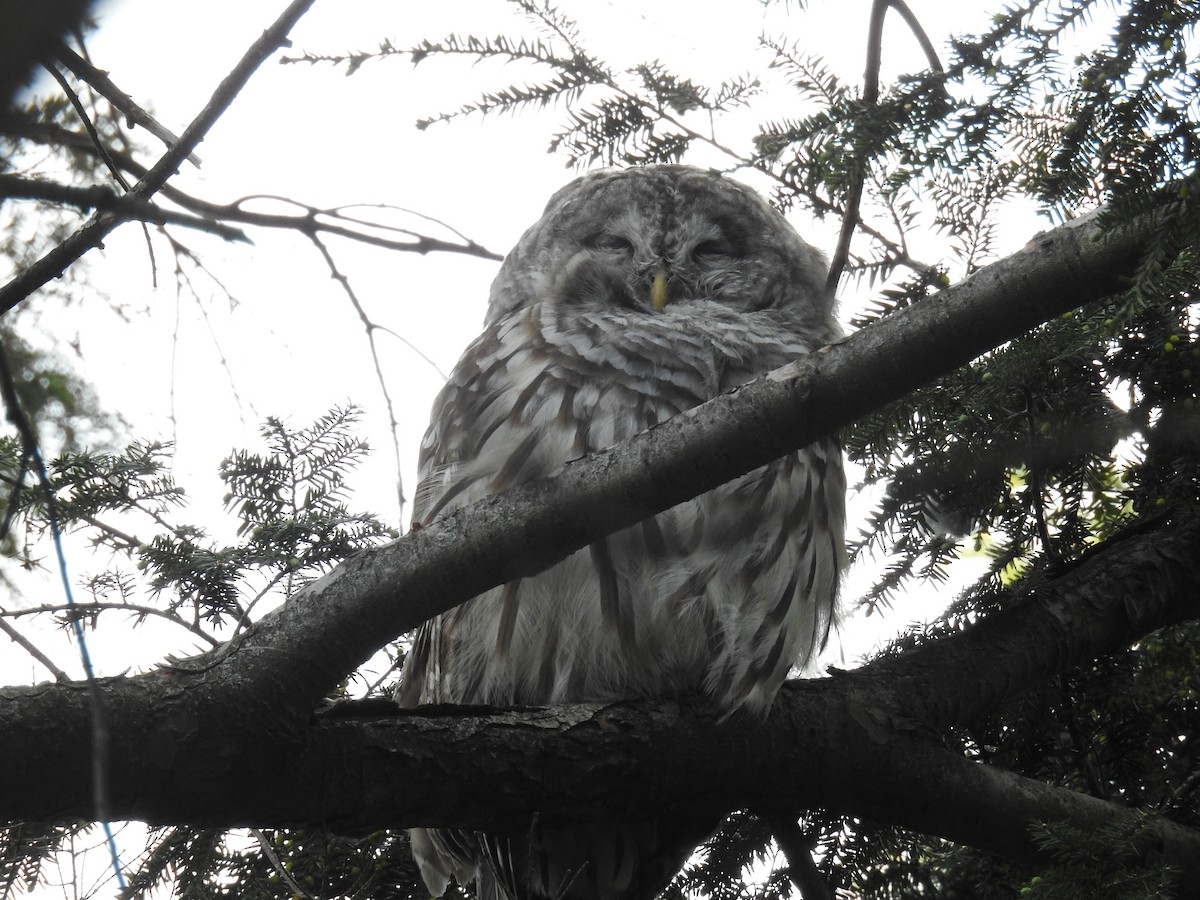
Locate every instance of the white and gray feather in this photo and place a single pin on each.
(639, 294)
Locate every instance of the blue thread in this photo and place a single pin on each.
(88, 671)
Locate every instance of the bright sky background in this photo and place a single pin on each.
(205, 375)
(292, 345)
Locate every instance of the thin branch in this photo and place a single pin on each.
(244, 620)
(340, 210)
(1036, 498)
(918, 30)
(88, 125)
(99, 197)
(850, 218)
(281, 870)
(92, 233)
(369, 326)
(103, 85)
(309, 220)
(183, 281)
(121, 540)
(93, 607)
(309, 223)
(59, 675)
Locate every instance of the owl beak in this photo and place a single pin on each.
(658, 290)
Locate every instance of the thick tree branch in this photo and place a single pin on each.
(870, 734)
(240, 718)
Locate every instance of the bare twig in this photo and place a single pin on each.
(308, 221)
(841, 253)
(88, 124)
(370, 328)
(25, 644)
(184, 282)
(103, 85)
(93, 232)
(914, 25)
(93, 607)
(99, 197)
(850, 216)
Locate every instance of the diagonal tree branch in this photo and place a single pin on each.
(241, 717)
(527, 529)
(92, 233)
(870, 734)
(103, 85)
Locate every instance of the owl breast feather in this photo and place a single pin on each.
(721, 595)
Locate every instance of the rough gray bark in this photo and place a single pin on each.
(335, 624)
(229, 738)
(868, 733)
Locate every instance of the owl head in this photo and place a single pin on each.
(649, 238)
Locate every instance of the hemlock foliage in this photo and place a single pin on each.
(1033, 456)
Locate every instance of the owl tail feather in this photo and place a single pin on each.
(603, 861)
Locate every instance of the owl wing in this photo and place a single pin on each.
(717, 595)
(497, 423)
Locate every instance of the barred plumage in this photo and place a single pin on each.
(639, 294)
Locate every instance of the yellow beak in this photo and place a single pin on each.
(658, 290)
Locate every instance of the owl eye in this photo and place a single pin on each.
(711, 249)
(610, 243)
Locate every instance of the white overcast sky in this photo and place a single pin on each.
(292, 346)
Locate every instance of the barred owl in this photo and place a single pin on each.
(639, 294)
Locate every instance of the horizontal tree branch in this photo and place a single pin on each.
(103, 198)
(240, 718)
(310, 221)
(92, 233)
(863, 743)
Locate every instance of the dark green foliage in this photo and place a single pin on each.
(1100, 864)
(290, 502)
(206, 864)
(24, 847)
(292, 522)
(1032, 456)
(719, 870)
